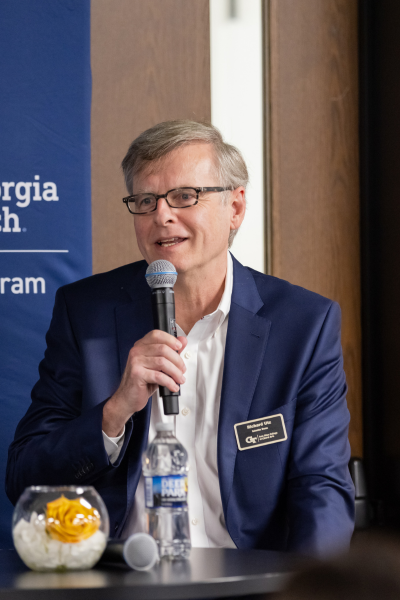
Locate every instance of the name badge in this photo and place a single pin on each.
(260, 432)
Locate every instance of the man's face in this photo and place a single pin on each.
(194, 237)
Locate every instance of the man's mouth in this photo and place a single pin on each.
(170, 242)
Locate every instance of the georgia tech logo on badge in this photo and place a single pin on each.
(251, 440)
(260, 432)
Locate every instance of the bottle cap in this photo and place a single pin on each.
(164, 426)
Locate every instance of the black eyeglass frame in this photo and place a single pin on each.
(157, 197)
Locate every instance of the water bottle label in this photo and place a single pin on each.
(168, 491)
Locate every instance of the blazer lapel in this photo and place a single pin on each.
(133, 319)
(244, 351)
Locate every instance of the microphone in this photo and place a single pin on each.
(139, 551)
(161, 276)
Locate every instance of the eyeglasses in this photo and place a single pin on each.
(141, 204)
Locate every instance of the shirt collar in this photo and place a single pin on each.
(219, 315)
(225, 303)
(212, 322)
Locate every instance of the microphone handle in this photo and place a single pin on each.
(113, 553)
(163, 303)
(139, 552)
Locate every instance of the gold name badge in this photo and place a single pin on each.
(260, 432)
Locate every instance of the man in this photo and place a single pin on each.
(252, 350)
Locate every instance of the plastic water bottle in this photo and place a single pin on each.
(165, 468)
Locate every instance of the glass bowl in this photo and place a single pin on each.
(61, 528)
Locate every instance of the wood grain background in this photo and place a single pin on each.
(312, 67)
(150, 63)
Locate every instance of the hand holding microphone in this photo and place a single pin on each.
(153, 361)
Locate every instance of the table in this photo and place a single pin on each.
(209, 573)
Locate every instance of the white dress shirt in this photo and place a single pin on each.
(196, 427)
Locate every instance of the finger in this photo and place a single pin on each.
(160, 363)
(161, 337)
(160, 378)
(183, 341)
(144, 375)
(162, 350)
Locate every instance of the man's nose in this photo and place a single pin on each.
(164, 212)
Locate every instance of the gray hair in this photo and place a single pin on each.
(163, 138)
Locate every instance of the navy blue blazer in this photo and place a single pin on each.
(283, 355)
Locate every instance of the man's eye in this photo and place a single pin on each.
(185, 196)
(145, 201)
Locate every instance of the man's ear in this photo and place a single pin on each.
(238, 207)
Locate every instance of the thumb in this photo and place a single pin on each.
(183, 341)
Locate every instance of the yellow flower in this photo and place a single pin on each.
(71, 521)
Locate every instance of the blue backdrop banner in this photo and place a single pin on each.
(45, 208)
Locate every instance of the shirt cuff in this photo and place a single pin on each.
(113, 445)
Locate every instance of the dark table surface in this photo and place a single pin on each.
(209, 573)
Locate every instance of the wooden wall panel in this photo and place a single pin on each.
(150, 63)
(312, 65)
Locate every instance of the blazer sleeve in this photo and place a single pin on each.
(55, 442)
(320, 490)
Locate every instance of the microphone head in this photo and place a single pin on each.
(161, 274)
(140, 552)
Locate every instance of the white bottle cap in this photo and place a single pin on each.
(164, 426)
